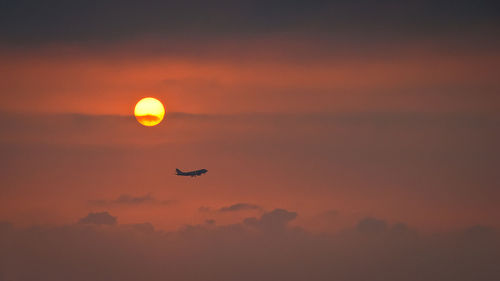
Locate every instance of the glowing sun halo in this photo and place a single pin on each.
(149, 112)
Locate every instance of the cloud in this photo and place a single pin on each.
(239, 207)
(278, 216)
(274, 221)
(102, 218)
(148, 118)
(126, 199)
(231, 208)
(371, 250)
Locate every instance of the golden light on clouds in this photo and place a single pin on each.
(149, 111)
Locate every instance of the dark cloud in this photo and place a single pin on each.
(35, 21)
(100, 218)
(239, 207)
(274, 221)
(244, 252)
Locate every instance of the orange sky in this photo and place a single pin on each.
(373, 132)
(413, 78)
(343, 140)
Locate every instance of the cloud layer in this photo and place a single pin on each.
(264, 248)
(33, 21)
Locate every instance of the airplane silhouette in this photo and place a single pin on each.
(192, 173)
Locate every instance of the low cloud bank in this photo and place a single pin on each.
(264, 248)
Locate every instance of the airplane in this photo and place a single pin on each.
(192, 173)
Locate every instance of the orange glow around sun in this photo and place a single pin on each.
(149, 111)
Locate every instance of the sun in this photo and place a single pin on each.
(149, 111)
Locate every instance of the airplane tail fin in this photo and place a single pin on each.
(178, 171)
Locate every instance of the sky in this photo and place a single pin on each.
(344, 140)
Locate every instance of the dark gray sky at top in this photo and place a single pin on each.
(28, 22)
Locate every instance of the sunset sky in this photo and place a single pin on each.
(318, 121)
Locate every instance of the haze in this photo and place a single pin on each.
(345, 141)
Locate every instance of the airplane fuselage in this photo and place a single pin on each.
(191, 174)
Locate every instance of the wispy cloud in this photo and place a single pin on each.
(240, 207)
(126, 199)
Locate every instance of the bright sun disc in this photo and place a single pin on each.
(149, 112)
